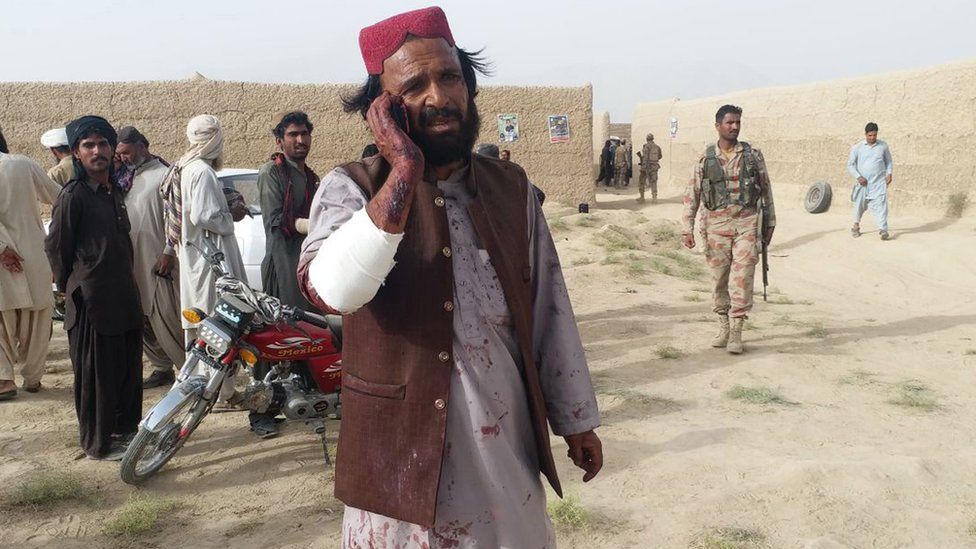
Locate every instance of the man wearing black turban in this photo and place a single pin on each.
(90, 252)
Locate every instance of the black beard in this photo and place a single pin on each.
(446, 149)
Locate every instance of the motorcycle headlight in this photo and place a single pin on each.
(216, 335)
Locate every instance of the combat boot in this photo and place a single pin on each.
(735, 336)
(722, 339)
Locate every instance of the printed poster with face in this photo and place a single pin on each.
(558, 128)
(508, 128)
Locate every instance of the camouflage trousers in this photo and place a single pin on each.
(732, 260)
(648, 176)
(619, 176)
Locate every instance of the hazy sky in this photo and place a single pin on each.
(631, 51)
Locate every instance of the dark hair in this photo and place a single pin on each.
(370, 150)
(3, 144)
(724, 110)
(471, 64)
(63, 149)
(298, 118)
(871, 127)
(487, 149)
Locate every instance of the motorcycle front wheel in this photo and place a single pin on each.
(150, 450)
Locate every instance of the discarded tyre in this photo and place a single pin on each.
(818, 198)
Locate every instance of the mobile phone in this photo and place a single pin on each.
(398, 111)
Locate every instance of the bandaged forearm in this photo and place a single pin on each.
(352, 263)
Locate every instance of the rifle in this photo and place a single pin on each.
(765, 249)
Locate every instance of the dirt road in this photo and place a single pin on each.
(848, 423)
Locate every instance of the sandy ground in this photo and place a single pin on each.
(851, 325)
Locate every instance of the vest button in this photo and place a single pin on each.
(448, 306)
(439, 201)
(440, 404)
(446, 251)
(444, 356)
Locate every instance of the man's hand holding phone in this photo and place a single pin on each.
(387, 119)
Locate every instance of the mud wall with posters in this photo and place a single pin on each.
(927, 117)
(247, 111)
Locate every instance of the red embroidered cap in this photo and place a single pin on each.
(379, 41)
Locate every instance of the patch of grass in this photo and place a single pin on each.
(568, 512)
(640, 398)
(635, 268)
(586, 221)
(579, 261)
(138, 516)
(558, 225)
(956, 204)
(612, 259)
(702, 290)
(758, 395)
(969, 352)
(858, 377)
(972, 529)
(687, 267)
(46, 488)
(816, 330)
(668, 352)
(730, 537)
(693, 298)
(614, 240)
(660, 266)
(663, 233)
(914, 394)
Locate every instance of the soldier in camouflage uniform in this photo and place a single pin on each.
(730, 180)
(650, 163)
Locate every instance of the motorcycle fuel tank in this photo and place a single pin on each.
(298, 341)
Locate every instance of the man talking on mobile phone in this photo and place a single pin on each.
(460, 342)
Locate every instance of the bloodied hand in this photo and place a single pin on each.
(586, 451)
(391, 140)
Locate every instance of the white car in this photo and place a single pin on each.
(249, 231)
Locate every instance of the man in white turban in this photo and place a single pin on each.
(202, 214)
(57, 141)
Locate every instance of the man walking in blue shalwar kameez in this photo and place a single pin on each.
(870, 165)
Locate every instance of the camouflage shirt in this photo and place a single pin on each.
(651, 155)
(733, 218)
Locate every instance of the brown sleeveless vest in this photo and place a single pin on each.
(397, 351)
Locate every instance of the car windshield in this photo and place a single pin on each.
(246, 184)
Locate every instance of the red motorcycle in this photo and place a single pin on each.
(247, 329)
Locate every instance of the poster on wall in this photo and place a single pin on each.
(674, 127)
(508, 128)
(558, 128)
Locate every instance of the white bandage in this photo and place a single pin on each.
(352, 263)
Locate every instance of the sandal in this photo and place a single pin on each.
(33, 388)
(855, 232)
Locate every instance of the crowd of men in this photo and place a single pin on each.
(461, 348)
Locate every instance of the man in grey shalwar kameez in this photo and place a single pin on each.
(154, 261)
(489, 492)
(285, 185)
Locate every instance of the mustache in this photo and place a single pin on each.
(432, 112)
